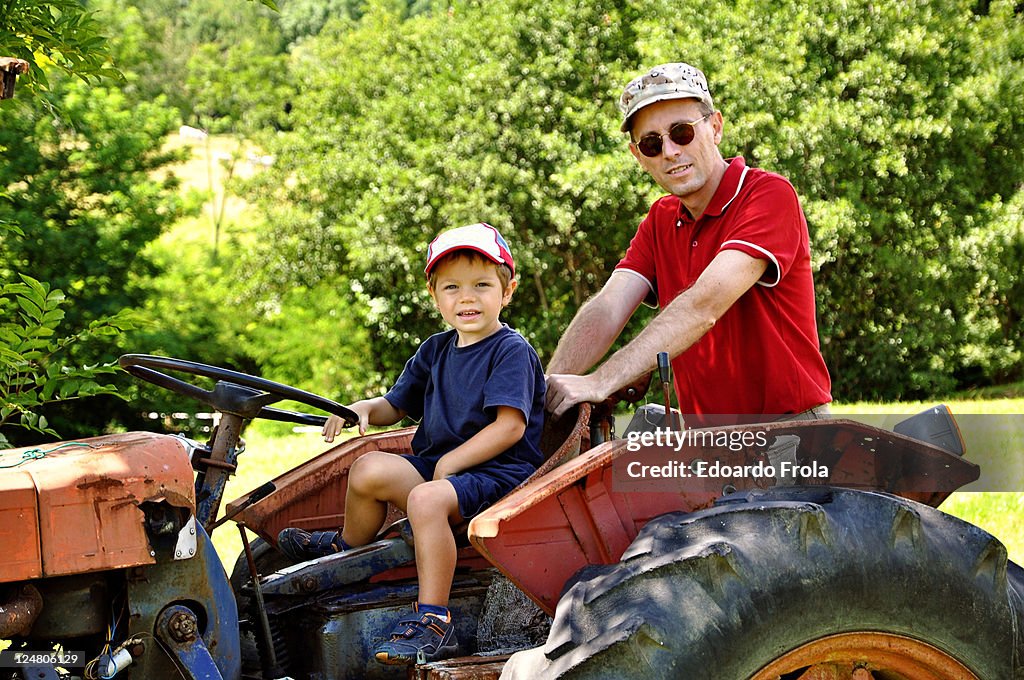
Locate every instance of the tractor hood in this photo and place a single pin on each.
(73, 507)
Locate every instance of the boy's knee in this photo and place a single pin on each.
(432, 498)
(368, 471)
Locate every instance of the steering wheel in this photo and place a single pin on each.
(237, 393)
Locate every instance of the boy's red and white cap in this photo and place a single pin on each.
(481, 237)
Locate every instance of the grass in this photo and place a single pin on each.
(993, 430)
(271, 450)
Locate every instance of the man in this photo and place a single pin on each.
(725, 256)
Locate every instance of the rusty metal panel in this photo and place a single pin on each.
(19, 527)
(88, 496)
(583, 520)
(462, 668)
(312, 495)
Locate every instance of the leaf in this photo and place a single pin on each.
(37, 290)
(49, 387)
(54, 298)
(13, 228)
(68, 389)
(34, 310)
(53, 317)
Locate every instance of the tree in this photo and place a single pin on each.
(85, 198)
(85, 192)
(444, 119)
(61, 33)
(898, 126)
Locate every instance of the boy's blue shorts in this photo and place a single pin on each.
(478, 487)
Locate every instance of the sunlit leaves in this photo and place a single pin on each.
(34, 369)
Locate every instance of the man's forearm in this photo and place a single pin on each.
(586, 340)
(686, 319)
(674, 330)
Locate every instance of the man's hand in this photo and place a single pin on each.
(565, 391)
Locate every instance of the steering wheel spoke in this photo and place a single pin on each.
(270, 413)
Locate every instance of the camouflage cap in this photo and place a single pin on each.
(667, 81)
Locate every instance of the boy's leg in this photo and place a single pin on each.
(433, 507)
(375, 479)
(429, 631)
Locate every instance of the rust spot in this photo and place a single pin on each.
(131, 500)
(102, 483)
(19, 613)
(164, 494)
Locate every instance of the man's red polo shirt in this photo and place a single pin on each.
(762, 356)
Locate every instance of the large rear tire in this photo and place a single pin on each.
(793, 584)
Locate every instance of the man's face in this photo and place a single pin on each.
(680, 170)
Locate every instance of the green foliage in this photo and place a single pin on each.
(898, 123)
(157, 43)
(62, 33)
(304, 18)
(86, 194)
(993, 280)
(34, 370)
(446, 119)
(331, 357)
(252, 100)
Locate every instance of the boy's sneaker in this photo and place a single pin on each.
(428, 638)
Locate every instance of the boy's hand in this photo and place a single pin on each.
(334, 424)
(508, 428)
(442, 470)
(376, 411)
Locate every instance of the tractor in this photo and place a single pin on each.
(584, 571)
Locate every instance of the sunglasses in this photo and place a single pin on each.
(680, 133)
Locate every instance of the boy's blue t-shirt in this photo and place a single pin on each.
(454, 392)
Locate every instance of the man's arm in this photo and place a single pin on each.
(683, 321)
(508, 428)
(598, 322)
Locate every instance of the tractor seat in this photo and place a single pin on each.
(563, 439)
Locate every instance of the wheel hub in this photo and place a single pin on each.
(865, 656)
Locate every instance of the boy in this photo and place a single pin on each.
(478, 391)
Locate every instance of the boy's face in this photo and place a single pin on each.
(469, 295)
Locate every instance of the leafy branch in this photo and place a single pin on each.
(30, 374)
